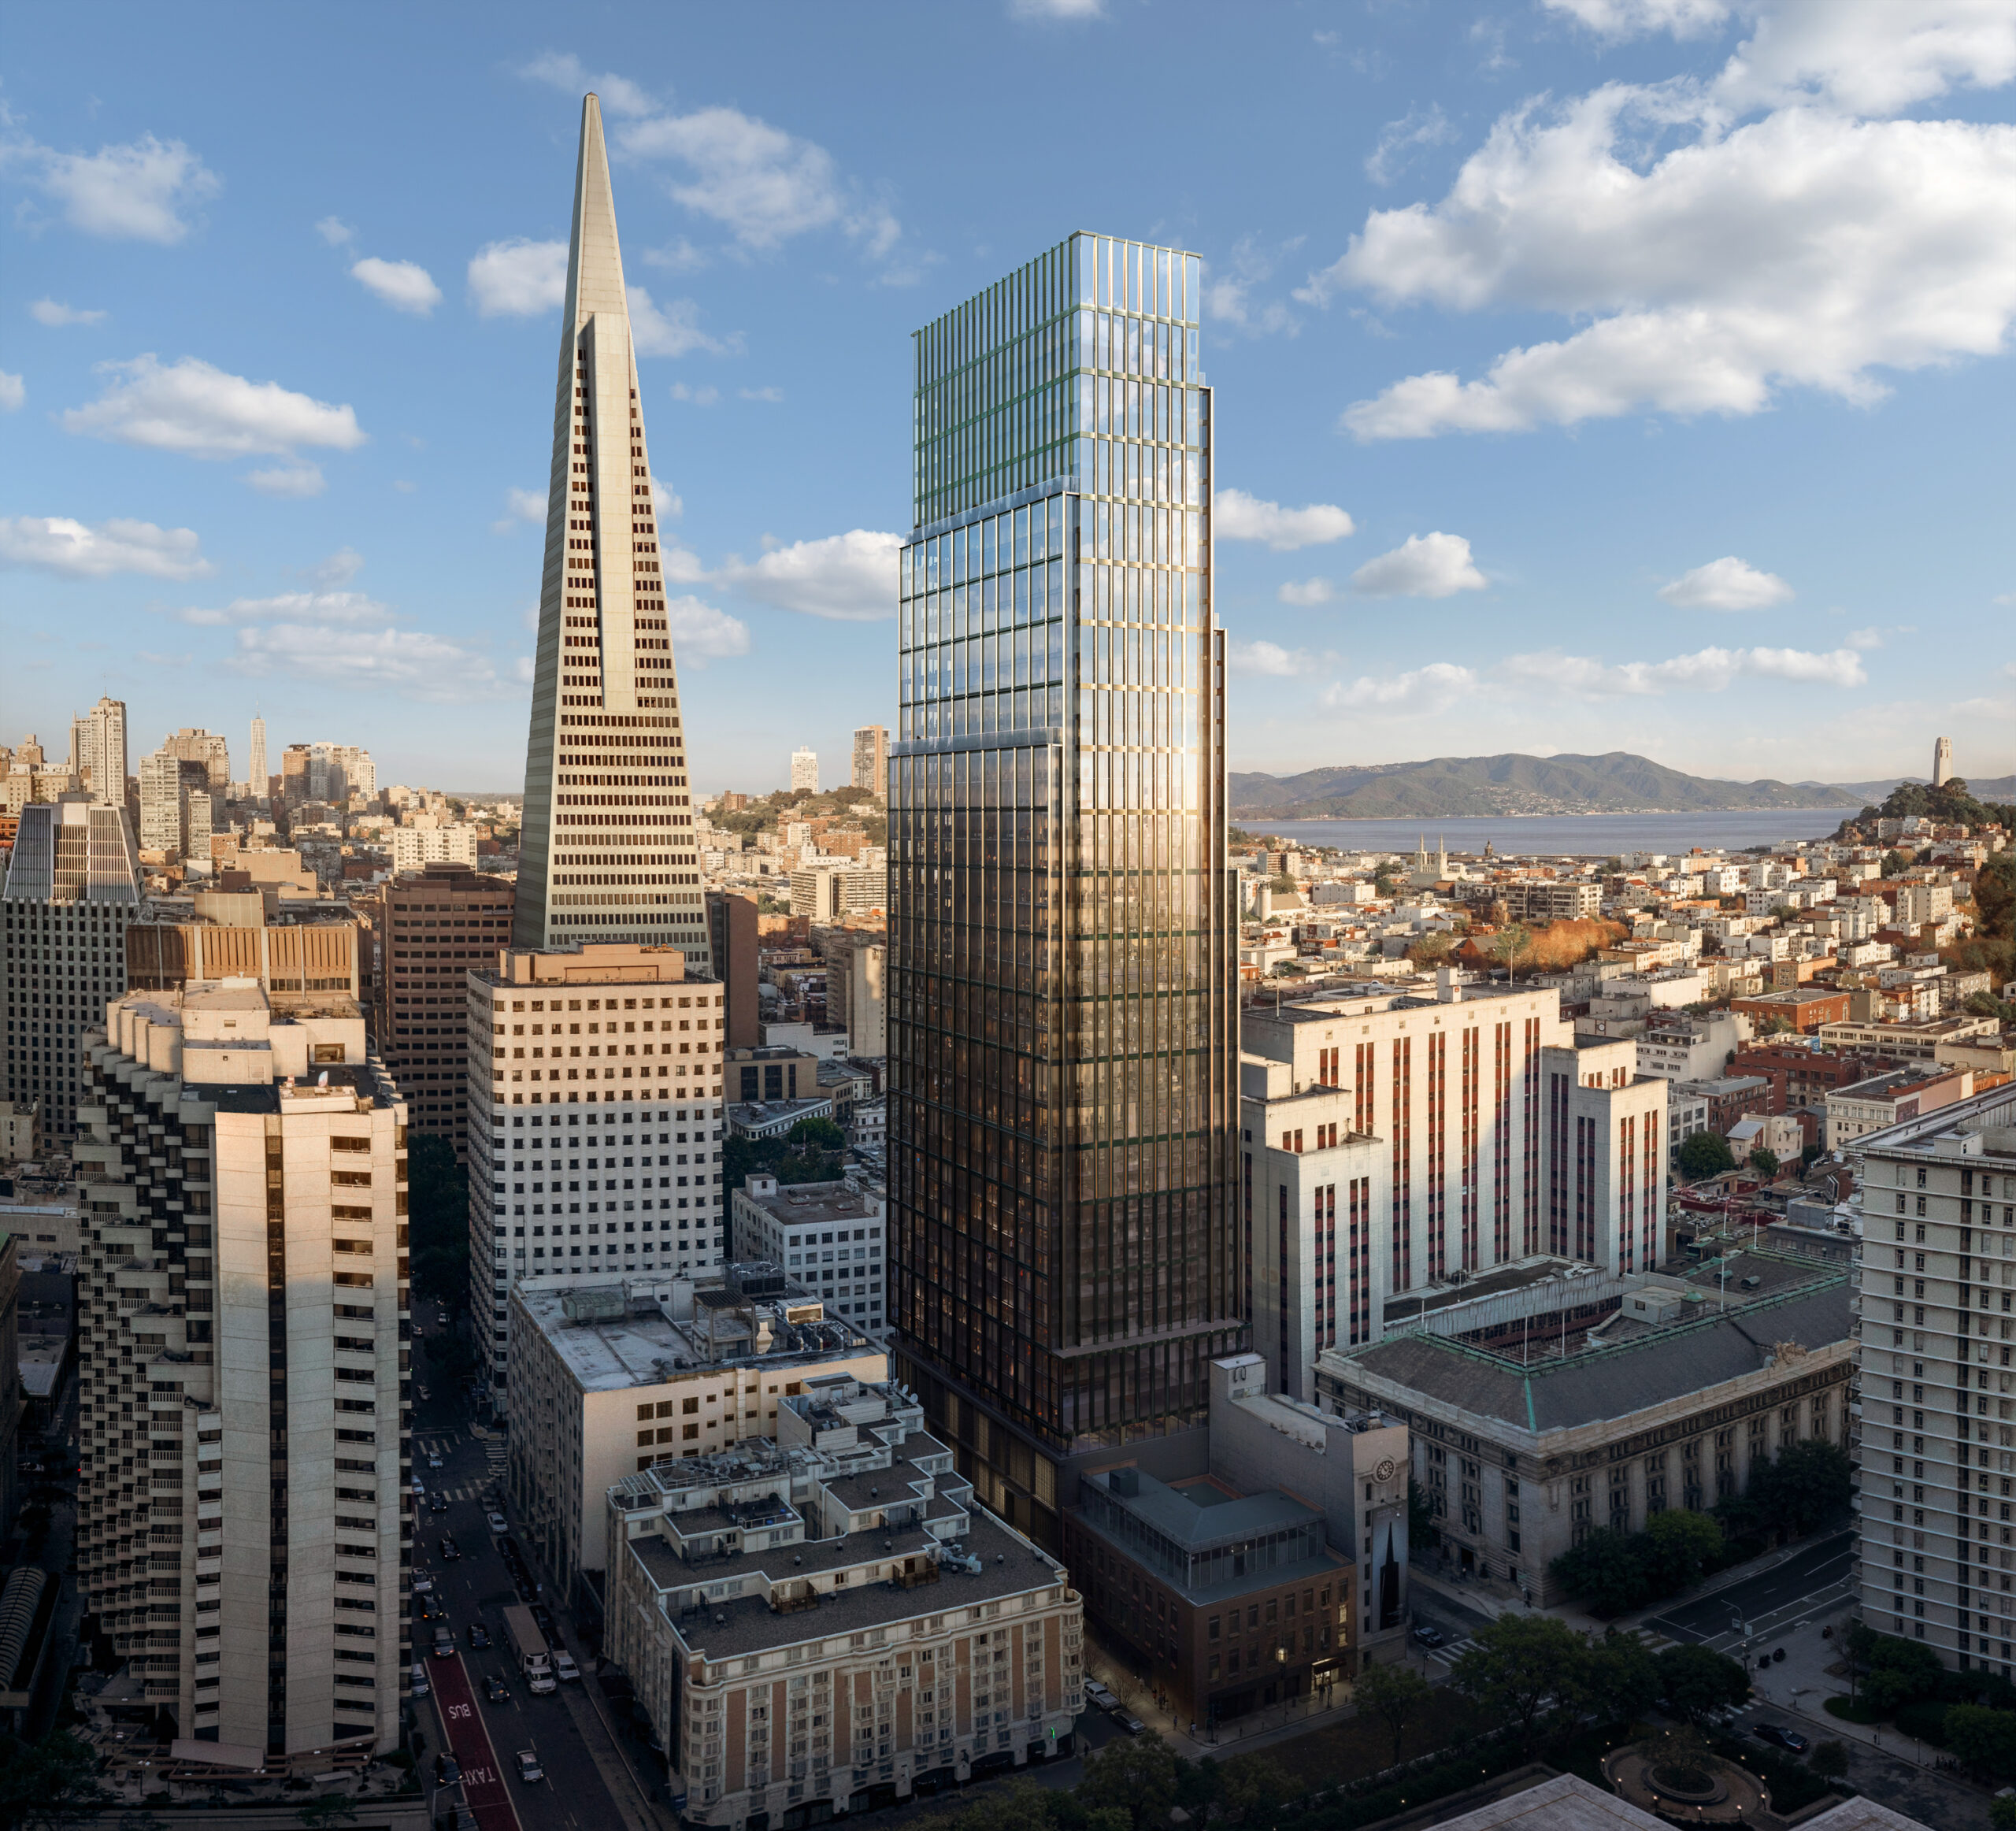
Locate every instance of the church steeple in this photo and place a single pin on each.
(607, 798)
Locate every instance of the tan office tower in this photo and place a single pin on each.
(255, 769)
(606, 852)
(871, 760)
(244, 1534)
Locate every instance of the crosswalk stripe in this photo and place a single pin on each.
(1451, 1651)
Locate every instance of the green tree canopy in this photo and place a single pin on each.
(1396, 1695)
(1679, 1546)
(1704, 1153)
(1984, 1740)
(1624, 1678)
(1764, 1162)
(1522, 1666)
(326, 1811)
(1829, 1760)
(1135, 1774)
(1605, 1570)
(47, 1783)
(1695, 1680)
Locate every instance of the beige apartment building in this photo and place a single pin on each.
(827, 1622)
(244, 1531)
(613, 1373)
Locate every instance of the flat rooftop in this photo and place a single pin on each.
(810, 1204)
(1516, 1276)
(640, 1345)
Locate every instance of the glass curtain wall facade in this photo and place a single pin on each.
(1062, 1040)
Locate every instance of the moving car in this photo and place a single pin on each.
(437, 1504)
(529, 1767)
(447, 1770)
(495, 1521)
(496, 1690)
(444, 1643)
(422, 1583)
(433, 1456)
(1427, 1637)
(479, 1636)
(423, 1392)
(563, 1664)
(449, 1550)
(1790, 1739)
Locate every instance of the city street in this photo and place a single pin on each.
(589, 1783)
(1813, 1579)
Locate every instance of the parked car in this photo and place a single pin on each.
(1427, 1637)
(420, 1687)
(1789, 1740)
(1101, 1695)
(563, 1664)
(479, 1636)
(419, 1486)
(529, 1767)
(496, 1690)
(495, 1521)
(1133, 1725)
(447, 1770)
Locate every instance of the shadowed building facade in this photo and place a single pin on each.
(1067, 1252)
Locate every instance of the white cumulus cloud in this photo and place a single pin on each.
(1236, 515)
(13, 392)
(1728, 583)
(518, 278)
(666, 499)
(1621, 19)
(563, 70)
(56, 544)
(56, 315)
(347, 610)
(200, 411)
(1710, 244)
(414, 664)
(1306, 592)
(1708, 670)
(1400, 139)
(404, 285)
(298, 478)
(335, 231)
(761, 183)
(1268, 658)
(700, 633)
(142, 192)
(1053, 11)
(1433, 689)
(697, 397)
(519, 507)
(1231, 290)
(672, 329)
(1423, 566)
(850, 577)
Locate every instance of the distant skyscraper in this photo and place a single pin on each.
(1062, 1021)
(98, 751)
(161, 802)
(195, 745)
(72, 887)
(870, 759)
(606, 848)
(255, 768)
(805, 769)
(1942, 761)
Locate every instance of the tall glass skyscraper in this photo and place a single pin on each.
(1063, 1012)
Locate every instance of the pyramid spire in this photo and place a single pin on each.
(605, 852)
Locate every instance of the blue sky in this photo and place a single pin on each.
(1591, 374)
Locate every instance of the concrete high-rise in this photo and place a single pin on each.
(606, 850)
(255, 767)
(804, 770)
(244, 1529)
(97, 751)
(195, 745)
(1062, 1022)
(1942, 761)
(871, 760)
(72, 887)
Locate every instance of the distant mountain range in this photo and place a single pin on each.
(1450, 787)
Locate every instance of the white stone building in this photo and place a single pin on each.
(245, 1532)
(827, 1236)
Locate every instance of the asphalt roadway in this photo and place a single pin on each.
(591, 1784)
(1814, 1577)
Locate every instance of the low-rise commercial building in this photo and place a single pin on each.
(612, 1374)
(827, 1236)
(1539, 1413)
(827, 1622)
(1804, 1009)
(1885, 1100)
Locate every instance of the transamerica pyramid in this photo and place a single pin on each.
(606, 852)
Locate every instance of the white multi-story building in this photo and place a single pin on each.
(414, 847)
(97, 751)
(594, 1122)
(1392, 1143)
(805, 769)
(613, 1373)
(255, 767)
(244, 1529)
(1935, 1203)
(72, 887)
(827, 1236)
(829, 1619)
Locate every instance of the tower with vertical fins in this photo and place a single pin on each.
(606, 850)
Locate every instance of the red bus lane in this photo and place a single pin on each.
(485, 1788)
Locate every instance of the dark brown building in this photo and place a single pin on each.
(1802, 1076)
(731, 934)
(1223, 1603)
(435, 925)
